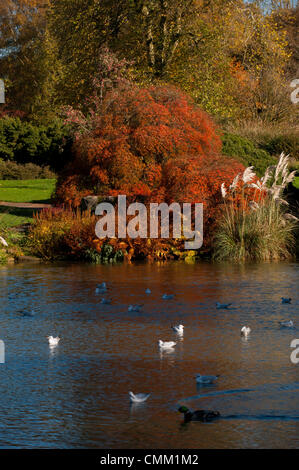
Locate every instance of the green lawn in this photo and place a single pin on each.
(11, 217)
(38, 191)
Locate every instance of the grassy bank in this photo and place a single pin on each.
(23, 191)
(35, 191)
(20, 192)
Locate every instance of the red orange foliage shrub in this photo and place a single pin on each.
(125, 144)
(149, 143)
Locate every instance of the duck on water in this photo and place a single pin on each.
(204, 416)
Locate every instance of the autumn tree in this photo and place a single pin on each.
(287, 19)
(165, 23)
(148, 33)
(221, 52)
(29, 62)
(236, 48)
(152, 144)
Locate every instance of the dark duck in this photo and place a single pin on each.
(199, 415)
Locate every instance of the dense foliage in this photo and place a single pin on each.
(135, 80)
(235, 58)
(288, 143)
(247, 152)
(10, 170)
(63, 233)
(151, 143)
(26, 142)
(129, 141)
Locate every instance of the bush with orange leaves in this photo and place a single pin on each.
(127, 139)
(152, 144)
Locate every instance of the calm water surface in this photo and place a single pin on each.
(76, 395)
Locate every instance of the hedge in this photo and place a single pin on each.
(246, 151)
(10, 170)
(25, 142)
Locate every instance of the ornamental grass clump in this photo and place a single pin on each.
(257, 224)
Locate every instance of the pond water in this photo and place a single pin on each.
(76, 395)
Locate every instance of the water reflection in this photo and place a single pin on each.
(76, 395)
(138, 408)
(167, 358)
(201, 388)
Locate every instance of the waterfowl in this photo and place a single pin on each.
(13, 295)
(53, 341)
(167, 296)
(135, 308)
(27, 313)
(199, 415)
(287, 324)
(101, 288)
(148, 291)
(179, 329)
(206, 379)
(285, 300)
(105, 301)
(245, 331)
(138, 397)
(166, 344)
(219, 305)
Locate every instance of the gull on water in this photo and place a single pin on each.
(27, 313)
(138, 397)
(287, 323)
(135, 308)
(53, 341)
(206, 379)
(167, 296)
(101, 288)
(105, 301)
(219, 305)
(178, 329)
(245, 331)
